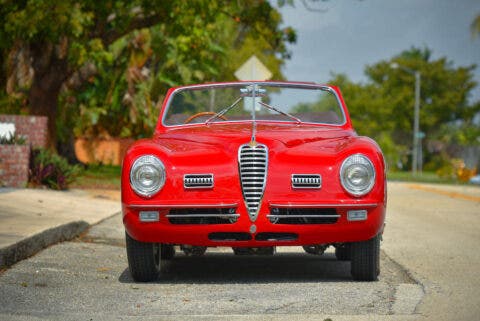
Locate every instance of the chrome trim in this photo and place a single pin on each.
(369, 205)
(369, 187)
(192, 181)
(306, 181)
(352, 215)
(203, 215)
(158, 164)
(253, 182)
(302, 216)
(220, 205)
(164, 111)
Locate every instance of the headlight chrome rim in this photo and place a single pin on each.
(357, 165)
(150, 170)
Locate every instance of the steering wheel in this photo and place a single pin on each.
(203, 113)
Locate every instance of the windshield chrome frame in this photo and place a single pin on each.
(247, 83)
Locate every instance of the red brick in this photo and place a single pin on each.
(34, 128)
(14, 165)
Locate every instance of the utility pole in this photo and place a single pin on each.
(416, 125)
(417, 146)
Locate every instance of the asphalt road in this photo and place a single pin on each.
(434, 233)
(429, 271)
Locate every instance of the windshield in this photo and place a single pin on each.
(254, 101)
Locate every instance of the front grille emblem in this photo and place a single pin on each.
(252, 165)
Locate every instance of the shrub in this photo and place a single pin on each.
(51, 170)
(12, 140)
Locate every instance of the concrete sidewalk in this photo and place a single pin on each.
(32, 219)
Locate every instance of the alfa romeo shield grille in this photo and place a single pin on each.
(253, 163)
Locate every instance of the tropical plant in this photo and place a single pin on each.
(55, 45)
(51, 170)
(12, 139)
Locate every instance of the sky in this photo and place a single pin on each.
(352, 34)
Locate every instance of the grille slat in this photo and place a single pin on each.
(198, 180)
(199, 216)
(303, 216)
(252, 164)
(306, 181)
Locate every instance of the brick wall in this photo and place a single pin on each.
(14, 161)
(34, 128)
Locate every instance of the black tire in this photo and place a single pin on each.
(193, 250)
(343, 252)
(366, 260)
(144, 259)
(167, 251)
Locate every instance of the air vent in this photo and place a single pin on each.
(303, 216)
(306, 181)
(198, 181)
(253, 163)
(202, 216)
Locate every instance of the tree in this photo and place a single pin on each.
(122, 99)
(383, 106)
(475, 26)
(66, 40)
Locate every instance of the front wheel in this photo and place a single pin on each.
(144, 259)
(366, 260)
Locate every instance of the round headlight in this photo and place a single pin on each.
(147, 175)
(357, 175)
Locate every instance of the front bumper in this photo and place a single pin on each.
(260, 233)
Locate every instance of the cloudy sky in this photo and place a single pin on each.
(352, 34)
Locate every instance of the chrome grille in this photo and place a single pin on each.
(294, 215)
(252, 163)
(202, 215)
(306, 181)
(198, 180)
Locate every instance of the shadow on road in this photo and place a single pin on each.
(225, 268)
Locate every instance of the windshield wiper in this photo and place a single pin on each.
(280, 112)
(223, 111)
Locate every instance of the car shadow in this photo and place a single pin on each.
(224, 268)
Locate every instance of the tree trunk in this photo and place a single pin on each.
(43, 102)
(50, 67)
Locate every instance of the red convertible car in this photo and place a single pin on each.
(252, 166)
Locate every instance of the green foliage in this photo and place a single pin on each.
(124, 97)
(118, 57)
(51, 170)
(383, 107)
(475, 26)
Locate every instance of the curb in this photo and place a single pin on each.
(33, 244)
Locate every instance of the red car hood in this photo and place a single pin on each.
(197, 140)
(292, 149)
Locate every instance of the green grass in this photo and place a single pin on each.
(424, 177)
(99, 177)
